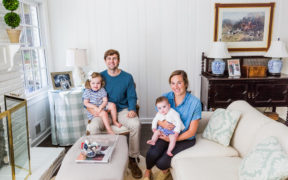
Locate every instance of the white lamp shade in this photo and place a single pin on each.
(219, 51)
(76, 57)
(277, 50)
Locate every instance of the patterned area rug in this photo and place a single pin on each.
(142, 165)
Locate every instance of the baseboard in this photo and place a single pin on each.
(41, 137)
(146, 120)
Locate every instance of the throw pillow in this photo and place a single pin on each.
(266, 161)
(221, 126)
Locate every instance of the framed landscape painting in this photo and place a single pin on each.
(244, 27)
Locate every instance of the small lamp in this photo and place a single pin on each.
(78, 59)
(218, 51)
(276, 51)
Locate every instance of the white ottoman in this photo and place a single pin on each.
(115, 169)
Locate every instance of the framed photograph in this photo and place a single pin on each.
(234, 67)
(244, 27)
(62, 80)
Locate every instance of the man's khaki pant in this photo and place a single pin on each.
(133, 124)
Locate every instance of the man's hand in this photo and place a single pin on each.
(131, 114)
(93, 112)
(98, 110)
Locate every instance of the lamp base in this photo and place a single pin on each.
(78, 76)
(274, 74)
(275, 67)
(218, 67)
(217, 75)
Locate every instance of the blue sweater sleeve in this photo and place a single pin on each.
(131, 95)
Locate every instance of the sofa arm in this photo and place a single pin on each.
(204, 121)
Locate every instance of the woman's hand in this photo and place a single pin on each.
(163, 137)
(166, 125)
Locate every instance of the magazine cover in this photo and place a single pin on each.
(97, 150)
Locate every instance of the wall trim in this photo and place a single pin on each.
(41, 137)
(146, 120)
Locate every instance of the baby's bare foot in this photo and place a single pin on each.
(150, 142)
(110, 132)
(169, 153)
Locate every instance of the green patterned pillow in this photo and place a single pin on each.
(221, 126)
(266, 161)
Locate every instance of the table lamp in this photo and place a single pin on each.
(78, 59)
(276, 51)
(218, 51)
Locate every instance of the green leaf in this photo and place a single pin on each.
(12, 19)
(11, 5)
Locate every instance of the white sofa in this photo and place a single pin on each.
(209, 160)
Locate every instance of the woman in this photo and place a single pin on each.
(189, 108)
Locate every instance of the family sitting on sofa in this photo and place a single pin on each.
(234, 143)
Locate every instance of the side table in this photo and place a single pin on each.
(67, 116)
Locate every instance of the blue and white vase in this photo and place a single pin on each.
(275, 66)
(218, 67)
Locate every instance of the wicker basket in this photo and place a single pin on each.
(254, 71)
(272, 115)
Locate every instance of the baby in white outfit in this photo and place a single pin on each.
(165, 112)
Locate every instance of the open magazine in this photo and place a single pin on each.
(103, 155)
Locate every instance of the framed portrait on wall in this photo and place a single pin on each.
(62, 80)
(234, 68)
(244, 27)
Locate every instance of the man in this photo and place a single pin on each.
(121, 91)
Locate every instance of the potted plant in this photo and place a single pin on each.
(12, 19)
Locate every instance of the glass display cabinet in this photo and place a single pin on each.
(14, 140)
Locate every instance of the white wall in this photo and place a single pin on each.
(154, 38)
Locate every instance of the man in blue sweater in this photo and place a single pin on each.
(120, 87)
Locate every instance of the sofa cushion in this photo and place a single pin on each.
(276, 129)
(206, 148)
(203, 168)
(221, 126)
(205, 116)
(250, 123)
(267, 160)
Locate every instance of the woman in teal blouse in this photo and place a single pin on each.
(189, 108)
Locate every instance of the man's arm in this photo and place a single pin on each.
(132, 98)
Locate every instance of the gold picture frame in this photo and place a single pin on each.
(244, 27)
(62, 80)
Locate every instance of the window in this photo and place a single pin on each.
(32, 48)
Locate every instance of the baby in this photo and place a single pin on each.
(171, 116)
(95, 97)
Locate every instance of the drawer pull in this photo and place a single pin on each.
(269, 100)
(253, 96)
(229, 100)
(284, 92)
(249, 95)
(244, 92)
